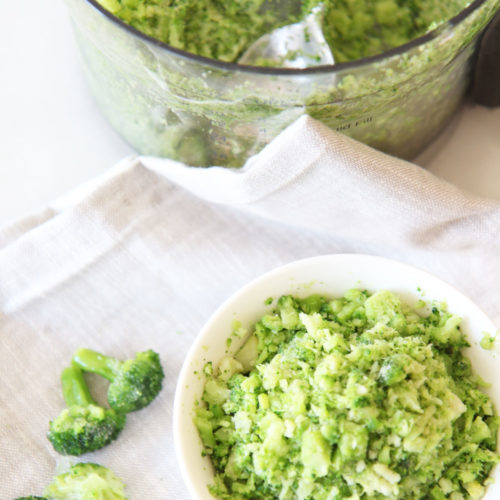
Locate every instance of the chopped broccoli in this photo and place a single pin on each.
(31, 498)
(355, 397)
(86, 481)
(133, 383)
(84, 426)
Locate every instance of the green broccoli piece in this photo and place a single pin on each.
(85, 481)
(133, 383)
(31, 498)
(84, 425)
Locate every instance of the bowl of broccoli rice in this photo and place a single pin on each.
(172, 78)
(341, 377)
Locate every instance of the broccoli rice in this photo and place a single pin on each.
(224, 30)
(357, 397)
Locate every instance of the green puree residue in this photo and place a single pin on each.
(224, 29)
(359, 397)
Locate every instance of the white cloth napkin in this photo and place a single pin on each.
(140, 258)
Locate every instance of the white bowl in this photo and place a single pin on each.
(328, 275)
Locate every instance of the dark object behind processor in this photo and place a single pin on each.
(486, 83)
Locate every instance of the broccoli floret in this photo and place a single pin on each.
(31, 498)
(85, 481)
(133, 383)
(84, 425)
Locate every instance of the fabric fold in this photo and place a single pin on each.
(316, 178)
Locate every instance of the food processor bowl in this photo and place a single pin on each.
(169, 103)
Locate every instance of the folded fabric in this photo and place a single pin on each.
(317, 179)
(142, 257)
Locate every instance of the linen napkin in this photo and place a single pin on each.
(141, 257)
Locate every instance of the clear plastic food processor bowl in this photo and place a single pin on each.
(170, 103)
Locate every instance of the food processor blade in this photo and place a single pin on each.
(298, 45)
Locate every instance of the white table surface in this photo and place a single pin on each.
(53, 138)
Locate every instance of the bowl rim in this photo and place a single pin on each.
(262, 70)
(179, 411)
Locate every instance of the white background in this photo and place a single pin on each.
(53, 138)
